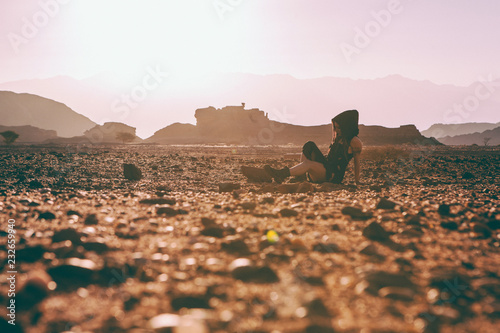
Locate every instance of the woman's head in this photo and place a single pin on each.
(346, 124)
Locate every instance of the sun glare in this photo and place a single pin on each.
(125, 36)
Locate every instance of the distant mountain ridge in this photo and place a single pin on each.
(474, 138)
(449, 130)
(388, 101)
(28, 109)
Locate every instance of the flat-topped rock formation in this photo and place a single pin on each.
(237, 125)
(232, 123)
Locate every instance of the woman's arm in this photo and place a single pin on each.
(356, 168)
(357, 147)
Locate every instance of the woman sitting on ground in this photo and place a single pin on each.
(319, 168)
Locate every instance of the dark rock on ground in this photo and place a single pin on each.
(91, 219)
(47, 216)
(189, 302)
(444, 210)
(168, 211)
(96, 246)
(73, 273)
(5, 326)
(286, 212)
(317, 308)
(33, 291)
(376, 232)
(158, 201)
(131, 172)
(451, 225)
(228, 187)
(356, 213)
(235, 246)
(67, 234)
(385, 204)
(214, 231)
(73, 212)
(30, 253)
(243, 269)
(380, 279)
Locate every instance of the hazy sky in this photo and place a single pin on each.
(445, 41)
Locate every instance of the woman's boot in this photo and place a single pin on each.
(279, 175)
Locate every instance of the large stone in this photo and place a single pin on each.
(356, 213)
(385, 204)
(244, 270)
(67, 234)
(213, 231)
(30, 253)
(305, 187)
(228, 187)
(167, 210)
(189, 302)
(33, 291)
(73, 273)
(256, 174)
(5, 326)
(377, 280)
(316, 308)
(451, 225)
(444, 210)
(376, 232)
(91, 219)
(235, 246)
(287, 212)
(96, 246)
(131, 172)
(158, 201)
(46, 216)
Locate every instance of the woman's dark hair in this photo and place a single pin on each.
(348, 123)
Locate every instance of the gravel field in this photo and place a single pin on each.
(193, 246)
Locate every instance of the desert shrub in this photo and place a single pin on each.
(9, 137)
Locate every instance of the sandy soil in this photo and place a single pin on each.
(195, 247)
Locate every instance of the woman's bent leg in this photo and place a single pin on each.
(311, 151)
(316, 170)
(311, 163)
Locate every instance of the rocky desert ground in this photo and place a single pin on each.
(195, 247)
